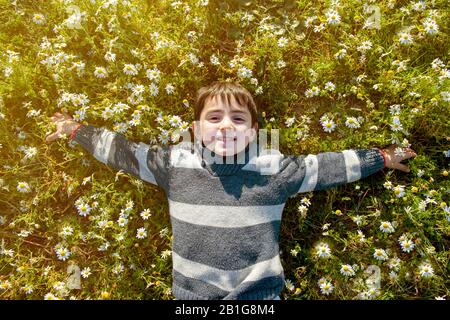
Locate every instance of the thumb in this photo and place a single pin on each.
(402, 167)
(52, 137)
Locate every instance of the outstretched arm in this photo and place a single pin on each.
(114, 149)
(330, 169)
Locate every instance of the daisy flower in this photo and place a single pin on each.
(407, 245)
(399, 152)
(5, 285)
(51, 296)
(365, 45)
(165, 254)
(333, 17)
(388, 185)
(394, 263)
(38, 18)
(396, 125)
(314, 91)
(380, 254)
(145, 214)
(289, 285)
(23, 187)
(302, 209)
(419, 6)
(399, 191)
(130, 69)
(153, 89)
(27, 289)
(282, 42)
(405, 38)
(386, 227)
(328, 125)
(280, 64)
(100, 72)
(62, 252)
(289, 121)
(83, 209)
(306, 202)
(30, 152)
(426, 271)
(122, 221)
(141, 233)
(330, 86)
(340, 54)
(138, 89)
(243, 72)
(110, 57)
(347, 270)
(352, 122)
(169, 88)
(67, 231)
(323, 250)
(430, 26)
(86, 272)
(153, 74)
(326, 287)
(319, 28)
(214, 60)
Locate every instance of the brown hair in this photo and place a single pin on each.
(225, 90)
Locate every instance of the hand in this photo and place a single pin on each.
(64, 125)
(393, 158)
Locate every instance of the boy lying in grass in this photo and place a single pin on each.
(225, 199)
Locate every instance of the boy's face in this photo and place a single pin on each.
(225, 128)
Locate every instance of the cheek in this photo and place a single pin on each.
(208, 133)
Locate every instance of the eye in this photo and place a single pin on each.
(239, 119)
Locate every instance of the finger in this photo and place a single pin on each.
(410, 154)
(402, 167)
(52, 137)
(56, 116)
(66, 115)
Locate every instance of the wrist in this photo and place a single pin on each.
(74, 131)
(383, 153)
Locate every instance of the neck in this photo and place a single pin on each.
(225, 165)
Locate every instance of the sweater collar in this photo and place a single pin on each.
(224, 165)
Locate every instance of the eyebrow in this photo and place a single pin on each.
(221, 110)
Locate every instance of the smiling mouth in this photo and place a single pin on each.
(226, 139)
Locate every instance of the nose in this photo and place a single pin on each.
(225, 124)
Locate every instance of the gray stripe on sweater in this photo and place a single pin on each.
(227, 280)
(246, 187)
(122, 155)
(204, 289)
(224, 216)
(332, 170)
(266, 288)
(225, 248)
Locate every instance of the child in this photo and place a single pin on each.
(225, 204)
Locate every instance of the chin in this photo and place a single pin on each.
(226, 152)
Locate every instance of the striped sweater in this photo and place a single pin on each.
(226, 217)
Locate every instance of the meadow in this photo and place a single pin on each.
(331, 75)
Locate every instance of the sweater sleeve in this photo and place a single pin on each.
(150, 163)
(329, 169)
